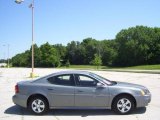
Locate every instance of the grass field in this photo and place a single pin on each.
(141, 67)
(84, 67)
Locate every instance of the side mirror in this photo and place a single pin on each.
(100, 85)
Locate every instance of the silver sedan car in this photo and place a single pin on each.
(79, 90)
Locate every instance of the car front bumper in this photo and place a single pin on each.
(143, 101)
(20, 100)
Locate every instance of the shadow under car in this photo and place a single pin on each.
(17, 110)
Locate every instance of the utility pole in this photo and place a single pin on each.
(32, 7)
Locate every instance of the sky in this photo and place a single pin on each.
(61, 21)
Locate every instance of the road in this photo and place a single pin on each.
(10, 76)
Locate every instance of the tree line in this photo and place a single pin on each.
(138, 45)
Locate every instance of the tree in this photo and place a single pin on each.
(108, 52)
(133, 46)
(37, 56)
(61, 51)
(91, 47)
(21, 60)
(67, 63)
(137, 46)
(50, 57)
(96, 61)
(75, 53)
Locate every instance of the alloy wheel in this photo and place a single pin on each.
(124, 105)
(38, 106)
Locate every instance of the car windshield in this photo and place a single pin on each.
(102, 79)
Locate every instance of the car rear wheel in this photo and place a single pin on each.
(123, 104)
(38, 105)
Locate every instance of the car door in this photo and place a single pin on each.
(61, 90)
(87, 94)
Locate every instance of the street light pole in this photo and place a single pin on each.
(8, 56)
(32, 7)
(4, 54)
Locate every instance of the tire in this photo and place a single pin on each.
(123, 104)
(38, 105)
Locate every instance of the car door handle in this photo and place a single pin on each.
(50, 89)
(79, 91)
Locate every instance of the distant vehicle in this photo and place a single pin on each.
(79, 90)
(3, 64)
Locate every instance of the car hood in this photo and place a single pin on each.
(129, 85)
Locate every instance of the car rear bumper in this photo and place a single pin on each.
(144, 100)
(20, 100)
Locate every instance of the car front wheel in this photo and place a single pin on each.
(123, 105)
(38, 105)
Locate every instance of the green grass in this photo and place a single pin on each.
(141, 67)
(84, 67)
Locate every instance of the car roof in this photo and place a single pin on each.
(72, 72)
(65, 72)
(62, 73)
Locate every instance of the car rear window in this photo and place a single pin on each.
(62, 80)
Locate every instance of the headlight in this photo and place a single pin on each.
(142, 92)
(145, 92)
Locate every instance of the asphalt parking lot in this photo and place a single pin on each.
(10, 76)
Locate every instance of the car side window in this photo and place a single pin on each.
(66, 80)
(85, 81)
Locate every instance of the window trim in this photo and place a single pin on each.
(76, 80)
(72, 80)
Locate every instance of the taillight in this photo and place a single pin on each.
(16, 89)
